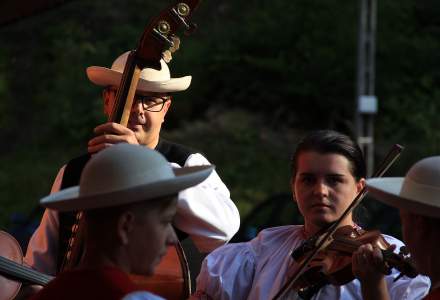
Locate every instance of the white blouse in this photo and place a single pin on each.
(259, 268)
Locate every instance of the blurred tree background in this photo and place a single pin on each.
(264, 73)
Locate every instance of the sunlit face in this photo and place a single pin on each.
(323, 188)
(145, 124)
(152, 235)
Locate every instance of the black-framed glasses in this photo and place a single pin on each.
(151, 103)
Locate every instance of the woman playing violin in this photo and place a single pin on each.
(328, 171)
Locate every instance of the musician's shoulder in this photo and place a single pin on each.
(175, 152)
(281, 230)
(276, 236)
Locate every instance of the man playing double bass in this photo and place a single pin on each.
(128, 223)
(205, 212)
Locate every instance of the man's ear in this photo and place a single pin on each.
(167, 105)
(165, 108)
(125, 226)
(360, 184)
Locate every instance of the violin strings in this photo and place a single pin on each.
(352, 244)
(17, 270)
(21, 272)
(25, 274)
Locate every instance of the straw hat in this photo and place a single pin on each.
(124, 174)
(151, 80)
(418, 192)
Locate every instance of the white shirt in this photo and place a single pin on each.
(205, 212)
(259, 268)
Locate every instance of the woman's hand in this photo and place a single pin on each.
(368, 266)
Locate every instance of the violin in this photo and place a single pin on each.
(333, 264)
(12, 270)
(319, 243)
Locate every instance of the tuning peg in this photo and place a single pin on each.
(191, 29)
(179, 16)
(163, 38)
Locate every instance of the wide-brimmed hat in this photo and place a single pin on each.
(151, 80)
(124, 174)
(418, 192)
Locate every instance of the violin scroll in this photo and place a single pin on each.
(400, 261)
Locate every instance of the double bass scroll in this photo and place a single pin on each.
(157, 37)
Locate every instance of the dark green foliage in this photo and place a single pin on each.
(252, 159)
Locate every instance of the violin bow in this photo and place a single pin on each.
(388, 161)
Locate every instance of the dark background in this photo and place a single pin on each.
(264, 73)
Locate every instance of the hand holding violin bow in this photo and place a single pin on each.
(327, 256)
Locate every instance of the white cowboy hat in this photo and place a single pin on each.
(123, 174)
(151, 80)
(418, 192)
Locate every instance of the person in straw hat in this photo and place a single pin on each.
(128, 194)
(205, 212)
(417, 196)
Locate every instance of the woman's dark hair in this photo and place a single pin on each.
(329, 141)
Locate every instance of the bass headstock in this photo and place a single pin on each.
(160, 34)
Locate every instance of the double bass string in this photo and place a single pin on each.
(12, 268)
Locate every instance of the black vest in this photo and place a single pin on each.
(173, 153)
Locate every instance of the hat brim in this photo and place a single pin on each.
(107, 77)
(387, 190)
(70, 199)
